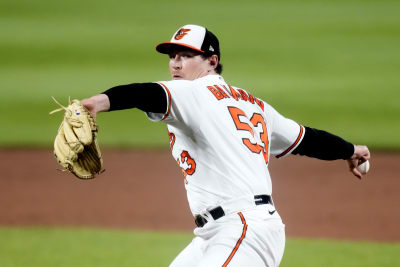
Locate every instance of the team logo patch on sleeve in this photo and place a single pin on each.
(181, 33)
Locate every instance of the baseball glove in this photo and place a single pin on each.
(76, 148)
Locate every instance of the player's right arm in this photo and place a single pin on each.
(327, 146)
(314, 143)
(361, 154)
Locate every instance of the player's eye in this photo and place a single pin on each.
(187, 54)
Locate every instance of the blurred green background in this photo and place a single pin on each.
(332, 65)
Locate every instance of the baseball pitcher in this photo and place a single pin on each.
(222, 137)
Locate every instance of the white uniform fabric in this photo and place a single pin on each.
(227, 241)
(222, 137)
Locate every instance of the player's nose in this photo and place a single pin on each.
(175, 62)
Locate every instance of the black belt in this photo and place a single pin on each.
(218, 212)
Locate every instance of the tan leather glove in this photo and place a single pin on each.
(76, 148)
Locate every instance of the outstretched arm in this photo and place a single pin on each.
(326, 146)
(148, 97)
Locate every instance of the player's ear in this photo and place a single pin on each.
(213, 60)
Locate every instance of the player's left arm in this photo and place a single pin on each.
(148, 97)
(326, 146)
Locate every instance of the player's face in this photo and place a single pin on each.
(187, 65)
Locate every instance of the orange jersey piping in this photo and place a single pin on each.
(294, 145)
(235, 249)
(169, 101)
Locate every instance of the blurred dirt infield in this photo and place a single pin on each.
(144, 190)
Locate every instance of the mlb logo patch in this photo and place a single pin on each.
(77, 112)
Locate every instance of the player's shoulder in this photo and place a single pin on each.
(210, 78)
(191, 84)
(176, 83)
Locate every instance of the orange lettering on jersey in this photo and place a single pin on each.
(185, 157)
(243, 94)
(238, 94)
(221, 91)
(235, 113)
(216, 93)
(251, 99)
(234, 94)
(260, 103)
(226, 90)
(171, 140)
(258, 119)
(253, 147)
(255, 120)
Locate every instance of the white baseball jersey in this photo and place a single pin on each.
(222, 138)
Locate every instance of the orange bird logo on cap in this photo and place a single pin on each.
(182, 32)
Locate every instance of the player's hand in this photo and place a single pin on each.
(96, 104)
(361, 154)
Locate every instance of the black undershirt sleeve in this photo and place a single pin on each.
(323, 145)
(148, 97)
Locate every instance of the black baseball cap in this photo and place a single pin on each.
(194, 37)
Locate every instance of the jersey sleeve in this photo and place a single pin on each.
(182, 104)
(286, 134)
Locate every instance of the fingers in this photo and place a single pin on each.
(353, 163)
(367, 155)
(356, 173)
(96, 104)
(90, 105)
(361, 152)
(361, 155)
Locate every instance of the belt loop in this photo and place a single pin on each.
(200, 221)
(263, 199)
(217, 213)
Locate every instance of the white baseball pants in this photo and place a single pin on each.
(248, 238)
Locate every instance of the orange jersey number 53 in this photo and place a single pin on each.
(255, 120)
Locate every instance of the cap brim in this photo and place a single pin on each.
(166, 48)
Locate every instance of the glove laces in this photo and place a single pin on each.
(61, 106)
